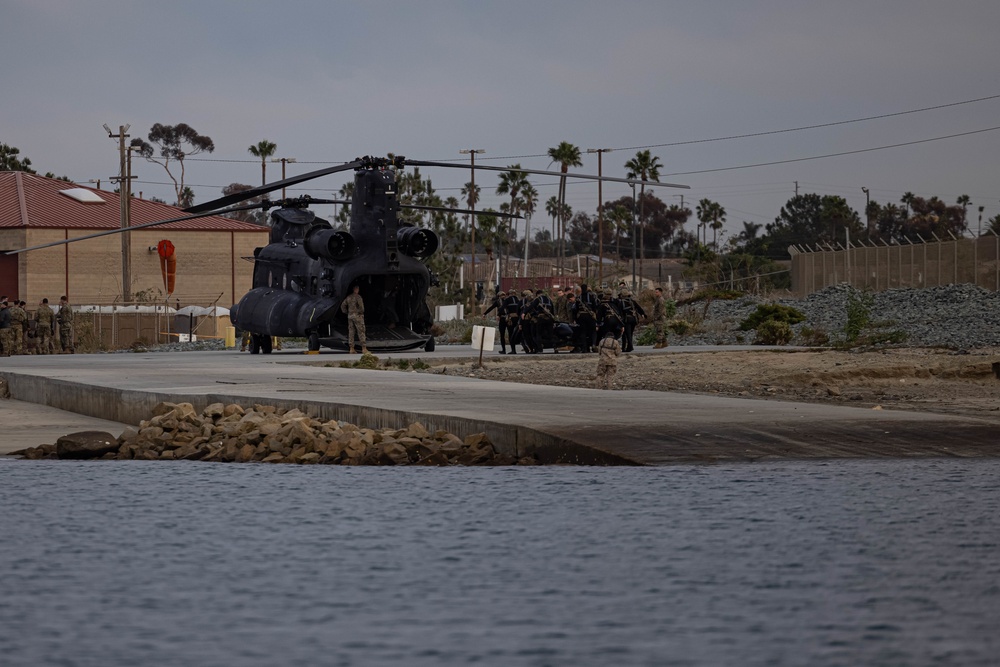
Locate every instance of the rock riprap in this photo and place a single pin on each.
(231, 433)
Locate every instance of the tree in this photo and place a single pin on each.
(711, 214)
(251, 216)
(567, 155)
(175, 142)
(646, 167)
(529, 203)
(263, 149)
(10, 162)
(187, 198)
(810, 218)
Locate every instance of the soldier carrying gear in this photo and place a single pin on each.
(499, 304)
(631, 312)
(586, 319)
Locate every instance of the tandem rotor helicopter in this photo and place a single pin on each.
(308, 268)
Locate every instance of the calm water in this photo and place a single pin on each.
(842, 563)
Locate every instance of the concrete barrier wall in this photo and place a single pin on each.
(132, 407)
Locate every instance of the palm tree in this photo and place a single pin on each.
(187, 198)
(963, 201)
(263, 149)
(512, 182)
(567, 155)
(644, 166)
(529, 202)
(718, 220)
(907, 199)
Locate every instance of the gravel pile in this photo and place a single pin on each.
(959, 317)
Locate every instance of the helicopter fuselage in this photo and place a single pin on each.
(308, 268)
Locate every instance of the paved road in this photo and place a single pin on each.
(560, 423)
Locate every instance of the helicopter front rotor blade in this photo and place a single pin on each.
(630, 181)
(135, 227)
(237, 197)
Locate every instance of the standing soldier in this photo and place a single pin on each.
(512, 311)
(45, 324)
(499, 305)
(608, 317)
(64, 317)
(527, 322)
(6, 331)
(586, 317)
(561, 305)
(631, 312)
(19, 323)
(354, 306)
(607, 360)
(660, 319)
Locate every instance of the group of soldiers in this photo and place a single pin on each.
(18, 329)
(531, 319)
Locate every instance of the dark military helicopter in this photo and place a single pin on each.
(307, 269)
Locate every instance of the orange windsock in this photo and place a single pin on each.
(168, 264)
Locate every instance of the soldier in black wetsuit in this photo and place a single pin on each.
(498, 305)
(585, 313)
(631, 312)
(608, 316)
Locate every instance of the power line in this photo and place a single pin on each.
(782, 131)
(828, 155)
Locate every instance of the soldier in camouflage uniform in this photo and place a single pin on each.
(608, 352)
(660, 319)
(44, 327)
(354, 306)
(6, 330)
(19, 323)
(64, 317)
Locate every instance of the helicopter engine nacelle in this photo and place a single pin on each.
(417, 242)
(329, 243)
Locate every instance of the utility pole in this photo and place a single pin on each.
(868, 215)
(472, 152)
(124, 180)
(796, 188)
(600, 213)
(283, 161)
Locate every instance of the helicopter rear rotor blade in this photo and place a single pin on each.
(131, 228)
(237, 197)
(445, 209)
(630, 181)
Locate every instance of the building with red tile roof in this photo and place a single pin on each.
(35, 210)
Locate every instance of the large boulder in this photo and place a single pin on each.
(86, 445)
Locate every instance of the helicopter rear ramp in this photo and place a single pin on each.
(381, 338)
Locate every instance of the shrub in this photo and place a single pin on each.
(679, 326)
(645, 336)
(773, 332)
(772, 312)
(814, 337)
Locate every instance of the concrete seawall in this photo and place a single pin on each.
(559, 424)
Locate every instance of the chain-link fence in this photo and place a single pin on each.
(880, 267)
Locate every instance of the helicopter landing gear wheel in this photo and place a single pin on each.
(266, 344)
(429, 345)
(313, 342)
(254, 344)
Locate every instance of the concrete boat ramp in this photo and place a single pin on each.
(559, 424)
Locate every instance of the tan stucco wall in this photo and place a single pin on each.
(210, 268)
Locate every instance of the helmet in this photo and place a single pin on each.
(624, 293)
(527, 292)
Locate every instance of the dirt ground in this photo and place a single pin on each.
(926, 380)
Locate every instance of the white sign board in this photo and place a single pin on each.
(482, 337)
(445, 313)
(186, 338)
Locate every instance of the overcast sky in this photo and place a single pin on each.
(328, 81)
